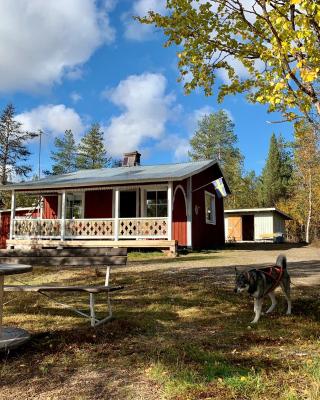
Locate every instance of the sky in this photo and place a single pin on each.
(68, 64)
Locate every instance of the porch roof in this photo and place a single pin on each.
(116, 176)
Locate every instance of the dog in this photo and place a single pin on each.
(262, 282)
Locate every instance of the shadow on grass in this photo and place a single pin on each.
(187, 328)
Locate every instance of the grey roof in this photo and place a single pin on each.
(258, 210)
(116, 176)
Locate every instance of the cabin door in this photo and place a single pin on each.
(179, 218)
(128, 204)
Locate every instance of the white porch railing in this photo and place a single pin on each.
(100, 228)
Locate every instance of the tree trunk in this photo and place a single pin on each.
(309, 209)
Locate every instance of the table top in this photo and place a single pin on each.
(10, 269)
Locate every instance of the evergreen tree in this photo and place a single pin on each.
(215, 139)
(91, 150)
(13, 151)
(64, 157)
(276, 175)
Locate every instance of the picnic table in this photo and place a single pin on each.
(11, 337)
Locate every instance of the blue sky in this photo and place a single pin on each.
(67, 64)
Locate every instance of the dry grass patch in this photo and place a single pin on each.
(178, 333)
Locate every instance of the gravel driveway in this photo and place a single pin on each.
(303, 262)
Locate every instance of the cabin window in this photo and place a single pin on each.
(74, 205)
(157, 203)
(210, 205)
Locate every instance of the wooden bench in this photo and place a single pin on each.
(71, 257)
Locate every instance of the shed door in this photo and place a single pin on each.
(235, 228)
(179, 219)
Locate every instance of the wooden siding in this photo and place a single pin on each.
(206, 235)
(98, 204)
(263, 225)
(179, 218)
(50, 207)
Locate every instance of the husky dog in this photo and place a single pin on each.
(262, 282)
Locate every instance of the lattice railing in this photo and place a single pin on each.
(143, 227)
(136, 228)
(85, 228)
(49, 228)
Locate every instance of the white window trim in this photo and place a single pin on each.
(215, 212)
(153, 189)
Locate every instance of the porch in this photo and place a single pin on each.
(136, 216)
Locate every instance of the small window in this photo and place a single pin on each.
(210, 208)
(157, 203)
(74, 205)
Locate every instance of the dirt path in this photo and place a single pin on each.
(303, 262)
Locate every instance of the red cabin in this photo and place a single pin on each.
(131, 206)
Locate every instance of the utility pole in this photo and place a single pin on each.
(40, 133)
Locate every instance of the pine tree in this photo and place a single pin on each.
(13, 151)
(215, 139)
(276, 175)
(91, 150)
(64, 157)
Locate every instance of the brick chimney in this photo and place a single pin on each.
(131, 159)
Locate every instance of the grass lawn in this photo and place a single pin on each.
(178, 333)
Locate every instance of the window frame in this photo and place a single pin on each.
(82, 195)
(213, 210)
(156, 203)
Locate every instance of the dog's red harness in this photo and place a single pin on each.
(275, 273)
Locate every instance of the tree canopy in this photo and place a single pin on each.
(64, 157)
(215, 139)
(13, 150)
(276, 175)
(92, 153)
(277, 42)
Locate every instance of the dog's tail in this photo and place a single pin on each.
(281, 261)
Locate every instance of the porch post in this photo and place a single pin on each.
(116, 214)
(63, 215)
(189, 212)
(13, 214)
(170, 191)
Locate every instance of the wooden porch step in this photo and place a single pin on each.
(86, 244)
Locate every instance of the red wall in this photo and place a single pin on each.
(98, 204)
(179, 216)
(206, 235)
(50, 207)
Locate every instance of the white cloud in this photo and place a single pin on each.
(179, 145)
(146, 109)
(75, 97)
(42, 41)
(134, 30)
(52, 119)
(193, 118)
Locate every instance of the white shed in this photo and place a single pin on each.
(255, 224)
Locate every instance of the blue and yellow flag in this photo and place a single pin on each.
(220, 188)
